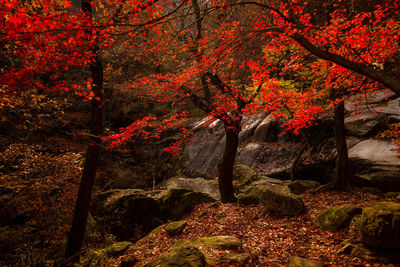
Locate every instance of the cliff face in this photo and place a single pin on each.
(373, 160)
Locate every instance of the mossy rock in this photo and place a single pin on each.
(215, 242)
(175, 228)
(150, 235)
(103, 257)
(204, 244)
(188, 256)
(244, 174)
(295, 261)
(275, 197)
(181, 201)
(248, 199)
(338, 217)
(380, 225)
(126, 212)
(298, 187)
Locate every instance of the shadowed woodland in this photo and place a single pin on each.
(199, 133)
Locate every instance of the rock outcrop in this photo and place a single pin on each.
(338, 217)
(376, 164)
(276, 198)
(373, 161)
(122, 212)
(182, 257)
(180, 202)
(209, 187)
(380, 225)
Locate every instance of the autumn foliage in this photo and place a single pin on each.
(295, 59)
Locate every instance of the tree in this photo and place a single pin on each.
(215, 70)
(359, 38)
(48, 38)
(78, 227)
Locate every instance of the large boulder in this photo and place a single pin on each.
(180, 201)
(274, 197)
(123, 212)
(380, 225)
(245, 176)
(196, 184)
(375, 163)
(338, 217)
(188, 256)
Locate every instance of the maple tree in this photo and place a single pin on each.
(358, 40)
(221, 58)
(51, 37)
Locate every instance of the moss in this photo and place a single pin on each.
(380, 225)
(181, 201)
(245, 175)
(117, 249)
(204, 244)
(103, 257)
(248, 199)
(216, 242)
(336, 218)
(181, 257)
(175, 228)
(150, 235)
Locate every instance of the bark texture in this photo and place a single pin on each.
(225, 165)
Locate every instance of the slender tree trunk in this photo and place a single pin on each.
(343, 175)
(76, 234)
(225, 165)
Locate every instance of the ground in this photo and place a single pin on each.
(269, 239)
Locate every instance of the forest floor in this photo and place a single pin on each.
(270, 240)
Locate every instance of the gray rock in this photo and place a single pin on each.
(375, 163)
(275, 198)
(362, 126)
(263, 129)
(248, 154)
(196, 184)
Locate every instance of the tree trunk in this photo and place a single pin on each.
(77, 232)
(225, 165)
(343, 176)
